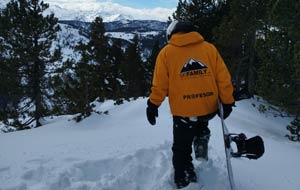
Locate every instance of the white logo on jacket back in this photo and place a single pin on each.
(193, 68)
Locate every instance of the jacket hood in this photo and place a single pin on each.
(183, 39)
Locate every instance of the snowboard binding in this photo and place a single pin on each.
(252, 148)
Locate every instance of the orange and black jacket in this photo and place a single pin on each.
(191, 72)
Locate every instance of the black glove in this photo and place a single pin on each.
(152, 112)
(227, 109)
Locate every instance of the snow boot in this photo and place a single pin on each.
(201, 145)
(181, 182)
(191, 175)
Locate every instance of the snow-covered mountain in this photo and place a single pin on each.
(122, 150)
(88, 10)
(67, 38)
(84, 15)
(120, 22)
(148, 31)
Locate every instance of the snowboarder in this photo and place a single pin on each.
(191, 72)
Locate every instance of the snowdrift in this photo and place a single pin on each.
(122, 151)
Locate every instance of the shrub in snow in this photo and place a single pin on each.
(294, 129)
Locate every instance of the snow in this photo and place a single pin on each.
(109, 11)
(121, 35)
(120, 150)
(129, 36)
(88, 10)
(68, 38)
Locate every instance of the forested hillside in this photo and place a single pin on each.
(259, 41)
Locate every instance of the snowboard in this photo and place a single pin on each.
(228, 149)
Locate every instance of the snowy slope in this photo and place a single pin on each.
(122, 151)
(68, 38)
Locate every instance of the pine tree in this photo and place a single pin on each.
(237, 38)
(134, 71)
(181, 12)
(273, 73)
(279, 79)
(286, 15)
(10, 92)
(9, 80)
(63, 95)
(117, 61)
(96, 76)
(83, 89)
(98, 48)
(30, 34)
(151, 63)
(294, 129)
(76, 90)
(204, 14)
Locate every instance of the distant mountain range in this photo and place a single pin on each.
(87, 10)
(120, 22)
(117, 18)
(148, 31)
(134, 26)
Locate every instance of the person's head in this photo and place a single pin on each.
(179, 26)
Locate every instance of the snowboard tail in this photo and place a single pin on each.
(228, 149)
(252, 148)
(228, 153)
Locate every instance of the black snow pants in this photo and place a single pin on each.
(184, 132)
